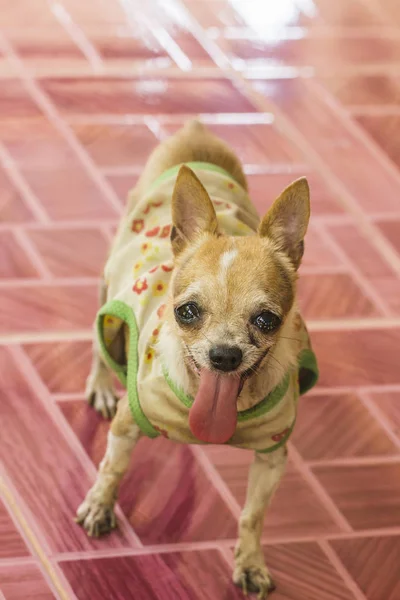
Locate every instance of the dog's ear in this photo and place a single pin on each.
(192, 210)
(287, 220)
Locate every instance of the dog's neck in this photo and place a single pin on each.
(279, 360)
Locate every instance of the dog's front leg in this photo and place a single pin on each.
(250, 570)
(96, 513)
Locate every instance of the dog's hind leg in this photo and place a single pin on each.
(100, 390)
(96, 513)
(250, 570)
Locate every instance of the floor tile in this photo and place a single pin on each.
(14, 260)
(390, 10)
(360, 251)
(389, 404)
(18, 15)
(12, 544)
(363, 357)
(24, 581)
(36, 144)
(117, 145)
(384, 131)
(264, 188)
(185, 575)
(62, 366)
(145, 96)
(42, 49)
(342, 14)
(364, 90)
(303, 571)
(322, 52)
(46, 472)
(331, 427)
(88, 425)
(367, 495)
(391, 230)
(97, 14)
(12, 207)
(218, 13)
(139, 47)
(69, 194)
(316, 251)
(122, 184)
(344, 154)
(285, 518)
(15, 102)
(373, 563)
(333, 296)
(71, 252)
(389, 290)
(46, 308)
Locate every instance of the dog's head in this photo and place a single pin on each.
(231, 296)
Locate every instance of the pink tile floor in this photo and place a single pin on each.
(87, 89)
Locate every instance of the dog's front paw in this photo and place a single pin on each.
(95, 517)
(253, 576)
(100, 393)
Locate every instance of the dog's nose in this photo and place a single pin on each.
(226, 358)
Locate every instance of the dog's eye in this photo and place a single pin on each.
(267, 321)
(187, 313)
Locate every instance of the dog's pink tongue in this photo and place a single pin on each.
(213, 415)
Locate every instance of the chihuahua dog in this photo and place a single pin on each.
(200, 323)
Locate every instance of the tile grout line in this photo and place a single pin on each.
(373, 110)
(215, 478)
(373, 389)
(228, 543)
(326, 501)
(355, 461)
(61, 125)
(341, 570)
(78, 36)
(144, 550)
(29, 560)
(55, 414)
(29, 337)
(53, 282)
(353, 324)
(79, 335)
(375, 411)
(92, 224)
(33, 255)
(165, 40)
(329, 270)
(29, 198)
(356, 273)
(55, 578)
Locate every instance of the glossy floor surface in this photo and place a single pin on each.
(87, 88)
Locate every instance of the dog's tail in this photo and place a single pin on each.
(194, 125)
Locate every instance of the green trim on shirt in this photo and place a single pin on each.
(194, 165)
(258, 410)
(126, 374)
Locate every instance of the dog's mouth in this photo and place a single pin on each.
(213, 415)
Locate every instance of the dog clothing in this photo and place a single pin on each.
(137, 275)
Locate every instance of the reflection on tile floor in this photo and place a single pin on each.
(87, 90)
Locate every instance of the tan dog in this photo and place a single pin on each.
(201, 325)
